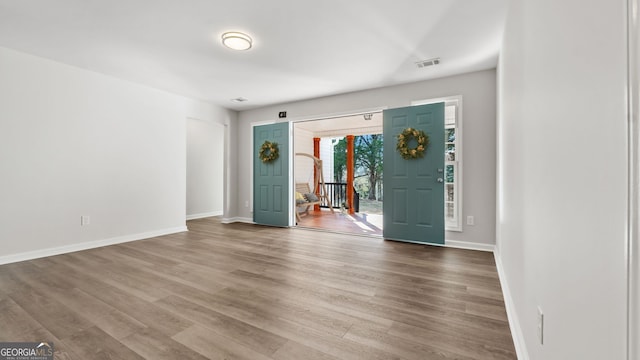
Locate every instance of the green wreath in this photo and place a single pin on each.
(269, 152)
(405, 137)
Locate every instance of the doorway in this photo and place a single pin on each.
(205, 169)
(415, 206)
(328, 139)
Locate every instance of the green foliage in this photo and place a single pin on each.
(368, 159)
(368, 162)
(340, 161)
(449, 173)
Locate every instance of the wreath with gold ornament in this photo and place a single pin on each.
(269, 152)
(405, 137)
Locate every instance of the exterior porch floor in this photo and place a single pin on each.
(358, 223)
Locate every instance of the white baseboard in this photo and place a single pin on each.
(30, 255)
(454, 244)
(204, 215)
(469, 245)
(514, 323)
(237, 219)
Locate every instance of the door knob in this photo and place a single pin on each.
(440, 180)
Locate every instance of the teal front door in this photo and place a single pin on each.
(271, 179)
(413, 192)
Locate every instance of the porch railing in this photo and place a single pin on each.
(338, 194)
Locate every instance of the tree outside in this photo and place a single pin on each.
(368, 160)
(368, 165)
(340, 161)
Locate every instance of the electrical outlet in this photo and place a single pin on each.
(540, 329)
(470, 220)
(85, 220)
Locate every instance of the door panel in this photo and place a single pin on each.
(413, 204)
(271, 180)
(399, 198)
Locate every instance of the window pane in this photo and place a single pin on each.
(449, 211)
(450, 152)
(450, 135)
(449, 173)
(450, 114)
(450, 192)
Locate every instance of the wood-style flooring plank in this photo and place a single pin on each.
(411, 350)
(250, 336)
(215, 346)
(93, 343)
(153, 344)
(295, 351)
(60, 320)
(241, 291)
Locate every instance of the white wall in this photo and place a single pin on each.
(75, 142)
(326, 154)
(562, 176)
(479, 101)
(205, 168)
(303, 166)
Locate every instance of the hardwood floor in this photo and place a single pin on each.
(242, 291)
(357, 224)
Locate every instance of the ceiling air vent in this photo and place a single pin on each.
(430, 62)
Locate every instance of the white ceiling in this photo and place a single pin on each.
(302, 49)
(342, 126)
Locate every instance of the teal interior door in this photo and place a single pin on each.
(271, 180)
(413, 192)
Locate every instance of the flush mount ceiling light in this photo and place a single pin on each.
(236, 40)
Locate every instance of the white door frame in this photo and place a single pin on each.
(316, 117)
(226, 151)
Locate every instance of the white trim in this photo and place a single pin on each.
(454, 244)
(459, 174)
(332, 231)
(351, 131)
(237, 219)
(413, 242)
(292, 177)
(226, 199)
(226, 181)
(633, 182)
(337, 114)
(30, 255)
(514, 322)
(436, 100)
(469, 245)
(204, 215)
